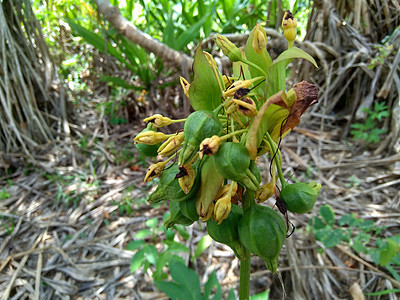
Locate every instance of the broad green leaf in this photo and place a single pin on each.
(202, 245)
(327, 214)
(135, 244)
(187, 278)
(174, 291)
(292, 53)
(169, 234)
(392, 248)
(318, 224)
(137, 260)
(261, 296)
(151, 253)
(204, 91)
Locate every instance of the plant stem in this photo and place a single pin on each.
(278, 160)
(245, 264)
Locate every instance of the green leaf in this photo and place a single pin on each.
(190, 34)
(143, 234)
(333, 238)
(292, 53)
(346, 220)
(169, 234)
(151, 253)
(231, 295)
(135, 244)
(318, 223)
(204, 91)
(262, 296)
(152, 223)
(182, 231)
(385, 292)
(175, 247)
(187, 278)
(212, 282)
(137, 260)
(120, 82)
(327, 214)
(359, 247)
(392, 248)
(173, 290)
(202, 245)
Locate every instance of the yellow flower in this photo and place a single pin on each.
(150, 137)
(186, 177)
(158, 120)
(260, 39)
(154, 171)
(246, 107)
(208, 214)
(289, 25)
(171, 145)
(223, 205)
(209, 146)
(228, 48)
(240, 84)
(266, 192)
(185, 85)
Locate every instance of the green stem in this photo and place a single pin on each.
(254, 66)
(245, 264)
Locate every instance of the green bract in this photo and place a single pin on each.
(300, 197)
(227, 232)
(176, 216)
(169, 188)
(148, 150)
(198, 126)
(262, 230)
(188, 208)
(232, 160)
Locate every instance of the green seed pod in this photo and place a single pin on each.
(188, 208)
(227, 232)
(176, 216)
(262, 230)
(232, 160)
(169, 188)
(148, 150)
(199, 125)
(300, 197)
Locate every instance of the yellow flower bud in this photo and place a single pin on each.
(260, 39)
(223, 205)
(289, 26)
(209, 146)
(186, 177)
(227, 80)
(228, 48)
(266, 192)
(185, 85)
(158, 120)
(210, 59)
(150, 137)
(246, 107)
(154, 171)
(208, 214)
(171, 145)
(240, 84)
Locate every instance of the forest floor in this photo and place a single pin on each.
(69, 212)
